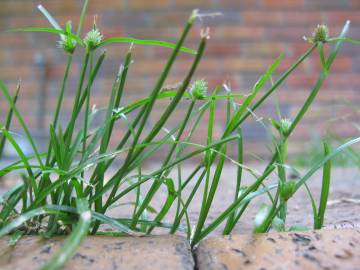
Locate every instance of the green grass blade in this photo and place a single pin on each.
(22, 156)
(48, 16)
(313, 204)
(145, 42)
(67, 250)
(205, 208)
(320, 81)
(5, 92)
(59, 102)
(114, 223)
(8, 120)
(319, 164)
(82, 17)
(240, 159)
(147, 109)
(169, 201)
(251, 191)
(261, 217)
(278, 82)
(322, 58)
(342, 39)
(48, 30)
(325, 187)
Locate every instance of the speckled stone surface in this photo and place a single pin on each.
(100, 252)
(326, 249)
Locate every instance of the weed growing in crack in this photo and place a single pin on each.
(65, 189)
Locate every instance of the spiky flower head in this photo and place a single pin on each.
(93, 37)
(198, 89)
(67, 43)
(320, 34)
(283, 126)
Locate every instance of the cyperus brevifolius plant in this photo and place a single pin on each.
(70, 188)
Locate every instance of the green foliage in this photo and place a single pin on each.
(66, 189)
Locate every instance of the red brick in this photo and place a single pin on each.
(171, 19)
(99, 6)
(238, 33)
(14, 40)
(15, 72)
(262, 17)
(283, 4)
(148, 5)
(337, 18)
(355, 3)
(223, 49)
(343, 64)
(291, 33)
(62, 7)
(259, 49)
(8, 8)
(303, 80)
(303, 18)
(248, 4)
(201, 4)
(245, 65)
(243, 43)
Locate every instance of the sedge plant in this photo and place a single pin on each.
(70, 188)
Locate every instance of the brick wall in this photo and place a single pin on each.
(244, 41)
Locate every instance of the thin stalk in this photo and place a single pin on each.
(240, 160)
(282, 175)
(76, 100)
(232, 207)
(82, 17)
(163, 212)
(9, 119)
(188, 201)
(87, 107)
(306, 106)
(108, 185)
(114, 102)
(59, 102)
(149, 106)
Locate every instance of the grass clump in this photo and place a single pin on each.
(64, 190)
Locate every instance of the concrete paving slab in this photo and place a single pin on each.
(325, 249)
(102, 252)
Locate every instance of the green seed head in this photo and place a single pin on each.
(67, 43)
(93, 39)
(198, 89)
(287, 189)
(285, 125)
(320, 34)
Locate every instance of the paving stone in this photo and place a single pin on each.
(101, 252)
(326, 249)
